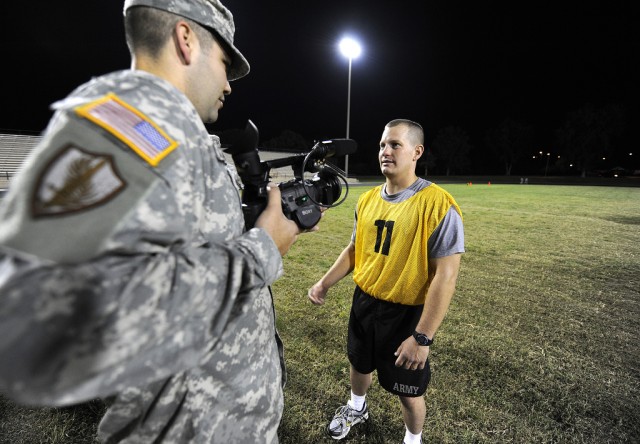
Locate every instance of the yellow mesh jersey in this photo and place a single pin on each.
(391, 243)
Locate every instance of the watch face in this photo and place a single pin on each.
(422, 339)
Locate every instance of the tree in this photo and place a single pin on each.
(588, 135)
(510, 141)
(427, 161)
(452, 147)
(287, 141)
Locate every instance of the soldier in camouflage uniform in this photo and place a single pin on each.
(125, 271)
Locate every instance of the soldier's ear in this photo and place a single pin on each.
(185, 41)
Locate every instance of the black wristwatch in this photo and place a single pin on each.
(422, 339)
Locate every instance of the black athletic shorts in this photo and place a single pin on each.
(376, 330)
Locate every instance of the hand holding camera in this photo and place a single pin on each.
(282, 231)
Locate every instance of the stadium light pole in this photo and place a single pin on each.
(350, 49)
(547, 166)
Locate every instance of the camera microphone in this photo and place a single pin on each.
(333, 147)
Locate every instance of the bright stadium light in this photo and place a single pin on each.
(351, 49)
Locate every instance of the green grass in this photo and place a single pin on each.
(540, 344)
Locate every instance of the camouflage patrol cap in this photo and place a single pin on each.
(209, 13)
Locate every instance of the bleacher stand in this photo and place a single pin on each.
(14, 148)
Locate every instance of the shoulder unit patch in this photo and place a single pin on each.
(129, 125)
(75, 180)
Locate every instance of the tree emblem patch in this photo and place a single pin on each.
(75, 180)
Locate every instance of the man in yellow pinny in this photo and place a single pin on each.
(405, 255)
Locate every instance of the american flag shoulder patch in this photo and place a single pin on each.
(129, 125)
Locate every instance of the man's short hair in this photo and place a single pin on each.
(415, 129)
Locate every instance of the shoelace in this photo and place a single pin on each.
(347, 413)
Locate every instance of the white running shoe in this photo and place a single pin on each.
(344, 419)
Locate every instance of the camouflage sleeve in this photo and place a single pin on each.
(109, 295)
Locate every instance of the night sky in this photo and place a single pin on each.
(470, 64)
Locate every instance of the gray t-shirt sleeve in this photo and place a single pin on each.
(448, 237)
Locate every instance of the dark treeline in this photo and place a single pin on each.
(592, 141)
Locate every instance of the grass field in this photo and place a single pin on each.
(540, 344)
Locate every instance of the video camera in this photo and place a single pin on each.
(302, 198)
